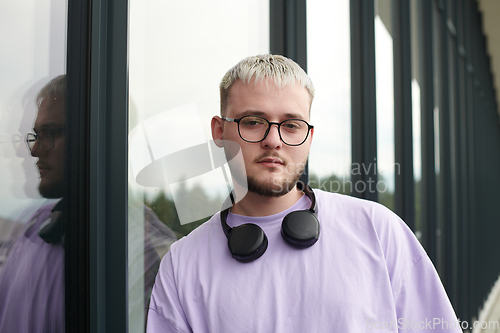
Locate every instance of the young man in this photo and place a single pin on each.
(251, 269)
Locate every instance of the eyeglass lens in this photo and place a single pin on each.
(292, 131)
(30, 140)
(45, 140)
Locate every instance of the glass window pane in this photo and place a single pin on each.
(32, 99)
(328, 65)
(179, 52)
(438, 108)
(386, 167)
(416, 116)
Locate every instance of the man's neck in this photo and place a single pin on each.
(254, 204)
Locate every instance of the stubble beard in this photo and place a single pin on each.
(51, 191)
(278, 186)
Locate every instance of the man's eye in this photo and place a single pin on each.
(41, 134)
(291, 126)
(253, 122)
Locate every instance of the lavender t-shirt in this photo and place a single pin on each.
(32, 283)
(32, 280)
(366, 273)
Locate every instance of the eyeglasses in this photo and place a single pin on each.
(44, 137)
(293, 132)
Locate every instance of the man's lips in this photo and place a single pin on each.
(271, 162)
(42, 167)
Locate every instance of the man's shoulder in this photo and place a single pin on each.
(358, 213)
(353, 205)
(205, 232)
(47, 207)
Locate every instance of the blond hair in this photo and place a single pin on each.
(281, 69)
(56, 88)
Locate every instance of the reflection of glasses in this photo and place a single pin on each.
(44, 137)
(293, 132)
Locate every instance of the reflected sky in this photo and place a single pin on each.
(328, 65)
(385, 104)
(165, 154)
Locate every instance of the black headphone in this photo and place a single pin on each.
(300, 229)
(51, 230)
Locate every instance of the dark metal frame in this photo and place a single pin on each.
(76, 186)
(444, 199)
(108, 167)
(96, 165)
(363, 96)
(470, 229)
(404, 201)
(288, 34)
(473, 228)
(458, 202)
(464, 198)
(428, 182)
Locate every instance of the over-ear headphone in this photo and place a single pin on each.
(300, 229)
(51, 230)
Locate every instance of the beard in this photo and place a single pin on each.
(274, 189)
(277, 187)
(51, 191)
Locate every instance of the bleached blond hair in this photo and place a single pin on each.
(56, 88)
(281, 69)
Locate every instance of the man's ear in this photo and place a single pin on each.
(217, 131)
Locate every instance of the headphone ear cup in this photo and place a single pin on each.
(300, 229)
(51, 231)
(247, 242)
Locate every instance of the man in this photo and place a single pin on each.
(32, 280)
(366, 271)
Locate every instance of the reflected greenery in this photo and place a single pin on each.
(386, 198)
(164, 207)
(332, 183)
(343, 185)
(418, 205)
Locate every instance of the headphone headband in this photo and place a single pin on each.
(300, 229)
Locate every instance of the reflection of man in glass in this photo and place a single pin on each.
(263, 265)
(32, 280)
(47, 141)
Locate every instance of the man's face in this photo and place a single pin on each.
(272, 167)
(50, 162)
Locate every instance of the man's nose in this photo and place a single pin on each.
(272, 140)
(36, 149)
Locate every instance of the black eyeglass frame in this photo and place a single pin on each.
(32, 138)
(237, 120)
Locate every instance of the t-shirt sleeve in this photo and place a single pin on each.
(420, 299)
(165, 310)
(422, 303)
